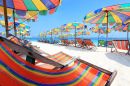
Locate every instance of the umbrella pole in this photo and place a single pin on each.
(75, 36)
(82, 35)
(14, 24)
(128, 32)
(6, 20)
(107, 32)
(51, 35)
(98, 37)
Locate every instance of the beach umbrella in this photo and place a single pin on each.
(100, 30)
(74, 25)
(123, 28)
(71, 34)
(25, 5)
(109, 15)
(18, 24)
(83, 33)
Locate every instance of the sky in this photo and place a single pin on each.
(70, 11)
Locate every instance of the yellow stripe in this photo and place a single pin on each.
(116, 18)
(99, 80)
(19, 80)
(81, 78)
(40, 6)
(93, 17)
(105, 19)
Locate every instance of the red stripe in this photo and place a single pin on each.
(55, 2)
(19, 5)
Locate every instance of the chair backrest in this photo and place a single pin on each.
(15, 40)
(102, 42)
(121, 44)
(79, 40)
(109, 42)
(66, 41)
(62, 40)
(88, 42)
(72, 41)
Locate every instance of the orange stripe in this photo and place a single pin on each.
(19, 5)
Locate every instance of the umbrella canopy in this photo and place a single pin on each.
(74, 25)
(115, 14)
(2, 33)
(17, 23)
(123, 28)
(31, 5)
(83, 33)
(102, 30)
(28, 5)
(112, 14)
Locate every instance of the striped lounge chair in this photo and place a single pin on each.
(61, 58)
(72, 42)
(80, 42)
(109, 43)
(121, 44)
(89, 44)
(101, 43)
(66, 42)
(62, 41)
(15, 71)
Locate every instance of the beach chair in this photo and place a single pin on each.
(121, 45)
(89, 44)
(72, 42)
(109, 43)
(101, 43)
(80, 42)
(66, 42)
(62, 41)
(15, 71)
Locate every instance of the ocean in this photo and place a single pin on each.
(95, 40)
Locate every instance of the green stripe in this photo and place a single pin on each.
(110, 18)
(122, 10)
(30, 5)
(97, 79)
(101, 19)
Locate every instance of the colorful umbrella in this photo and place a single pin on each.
(2, 33)
(74, 25)
(111, 14)
(83, 33)
(29, 5)
(102, 30)
(123, 27)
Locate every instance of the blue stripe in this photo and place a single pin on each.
(9, 3)
(48, 4)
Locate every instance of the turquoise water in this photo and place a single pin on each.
(95, 40)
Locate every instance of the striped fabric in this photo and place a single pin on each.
(72, 41)
(121, 44)
(59, 57)
(67, 41)
(115, 14)
(89, 42)
(62, 40)
(19, 72)
(32, 5)
(80, 41)
(109, 42)
(15, 40)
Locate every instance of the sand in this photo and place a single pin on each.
(101, 58)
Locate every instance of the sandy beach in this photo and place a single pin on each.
(99, 57)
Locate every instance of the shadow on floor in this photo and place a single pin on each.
(122, 59)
